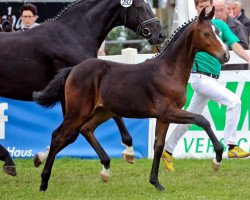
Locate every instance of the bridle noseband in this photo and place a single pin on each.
(146, 32)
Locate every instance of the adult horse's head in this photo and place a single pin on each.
(205, 38)
(140, 18)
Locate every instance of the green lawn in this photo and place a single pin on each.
(79, 179)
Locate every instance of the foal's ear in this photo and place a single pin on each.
(202, 14)
(211, 14)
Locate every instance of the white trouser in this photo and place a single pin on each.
(206, 88)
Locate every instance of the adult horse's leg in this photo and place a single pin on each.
(128, 153)
(184, 117)
(9, 165)
(160, 135)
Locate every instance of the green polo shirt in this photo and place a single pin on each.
(203, 61)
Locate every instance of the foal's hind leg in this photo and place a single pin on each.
(41, 157)
(184, 117)
(128, 153)
(87, 130)
(105, 160)
(59, 138)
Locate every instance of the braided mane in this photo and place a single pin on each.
(70, 5)
(174, 36)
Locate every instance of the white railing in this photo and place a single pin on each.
(131, 56)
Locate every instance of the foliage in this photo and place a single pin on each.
(121, 35)
(79, 179)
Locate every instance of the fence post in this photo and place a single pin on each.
(128, 55)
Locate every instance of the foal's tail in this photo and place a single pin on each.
(54, 91)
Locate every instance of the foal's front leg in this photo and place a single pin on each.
(160, 135)
(185, 117)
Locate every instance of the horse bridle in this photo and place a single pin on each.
(142, 24)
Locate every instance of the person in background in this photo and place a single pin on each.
(230, 10)
(236, 27)
(239, 14)
(29, 16)
(204, 81)
(9, 165)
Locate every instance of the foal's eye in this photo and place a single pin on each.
(206, 34)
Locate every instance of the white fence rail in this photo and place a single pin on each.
(131, 56)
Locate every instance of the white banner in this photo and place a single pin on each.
(195, 143)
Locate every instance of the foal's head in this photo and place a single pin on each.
(140, 18)
(205, 38)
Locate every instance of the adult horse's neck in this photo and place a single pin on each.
(88, 19)
(178, 55)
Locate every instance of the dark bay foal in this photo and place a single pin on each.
(97, 90)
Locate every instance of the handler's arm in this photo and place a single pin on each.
(238, 49)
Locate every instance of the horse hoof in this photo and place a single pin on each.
(104, 177)
(105, 174)
(43, 188)
(216, 165)
(128, 158)
(128, 154)
(10, 170)
(159, 187)
(37, 161)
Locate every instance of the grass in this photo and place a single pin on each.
(79, 179)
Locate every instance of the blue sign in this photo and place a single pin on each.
(26, 129)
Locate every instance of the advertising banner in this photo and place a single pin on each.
(26, 129)
(195, 143)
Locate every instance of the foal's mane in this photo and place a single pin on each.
(60, 13)
(175, 36)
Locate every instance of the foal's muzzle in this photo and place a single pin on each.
(225, 58)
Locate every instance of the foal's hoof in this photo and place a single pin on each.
(216, 165)
(128, 158)
(43, 188)
(8, 169)
(159, 187)
(37, 161)
(105, 174)
(104, 177)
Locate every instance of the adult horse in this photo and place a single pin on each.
(30, 59)
(155, 88)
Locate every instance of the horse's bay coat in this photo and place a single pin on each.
(96, 90)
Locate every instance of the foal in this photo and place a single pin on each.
(97, 90)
